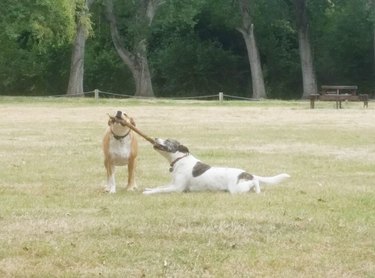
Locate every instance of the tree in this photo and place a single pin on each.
(189, 47)
(135, 56)
(279, 49)
(371, 7)
(247, 31)
(190, 50)
(75, 85)
(373, 32)
(343, 48)
(307, 63)
(32, 31)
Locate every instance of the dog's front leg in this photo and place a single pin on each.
(164, 189)
(111, 183)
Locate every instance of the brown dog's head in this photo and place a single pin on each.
(115, 123)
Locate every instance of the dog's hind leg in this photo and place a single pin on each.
(241, 187)
(132, 165)
(256, 185)
(131, 174)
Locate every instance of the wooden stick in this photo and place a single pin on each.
(125, 123)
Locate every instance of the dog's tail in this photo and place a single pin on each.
(272, 180)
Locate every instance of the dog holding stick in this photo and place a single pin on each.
(120, 148)
(191, 174)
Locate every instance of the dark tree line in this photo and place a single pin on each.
(276, 48)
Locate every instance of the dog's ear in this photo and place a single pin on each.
(183, 149)
(111, 119)
(132, 121)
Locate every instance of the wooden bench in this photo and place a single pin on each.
(338, 94)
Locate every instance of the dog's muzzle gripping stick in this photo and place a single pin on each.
(125, 123)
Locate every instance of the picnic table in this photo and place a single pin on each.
(338, 94)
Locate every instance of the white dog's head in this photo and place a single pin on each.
(170, 149)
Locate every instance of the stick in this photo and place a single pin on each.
(125, 123)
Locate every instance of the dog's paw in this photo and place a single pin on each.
(110, 189)
(147, 191)
(132, 188)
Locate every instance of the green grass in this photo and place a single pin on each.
(56, 221)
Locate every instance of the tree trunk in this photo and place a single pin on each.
(307, 65)
(306, 57)
(247, 31)
(142, 77)
(75, 85)
(373, 59)
(372, 16)
(137, 63)
(371, 7)
(373, 45)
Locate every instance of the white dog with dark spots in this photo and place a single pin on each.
(190, 174)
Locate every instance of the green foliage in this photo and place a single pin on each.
(188, 66)
(193, 46)
(104, 70)
(279, 49)
(198, 55)
(32, 31)
(83, 16)
(179, 12)
(38, 25)
(131, 22)
(344, 48)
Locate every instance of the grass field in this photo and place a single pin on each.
(56, 221)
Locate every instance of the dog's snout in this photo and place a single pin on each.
(158, 141)
(119, 114)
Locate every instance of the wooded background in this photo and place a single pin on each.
(276, 48)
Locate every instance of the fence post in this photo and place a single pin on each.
(221, 96)
(96, 93)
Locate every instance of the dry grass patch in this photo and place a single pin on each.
(56, 221)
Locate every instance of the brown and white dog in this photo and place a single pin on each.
(120, 148)
(190, 174)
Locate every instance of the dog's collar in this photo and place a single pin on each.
(175, 161)
(118, 137)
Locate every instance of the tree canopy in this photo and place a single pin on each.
(192, 47)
